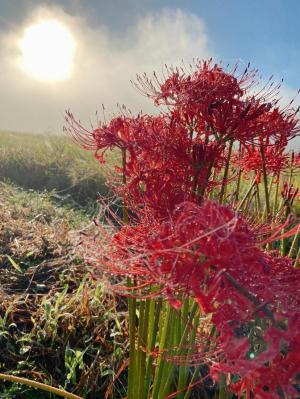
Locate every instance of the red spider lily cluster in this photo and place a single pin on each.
(249, 159)
(180, 243)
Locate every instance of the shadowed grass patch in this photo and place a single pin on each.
(49, 162)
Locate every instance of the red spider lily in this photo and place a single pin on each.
(278, 125)
(164, 165)
(177, 243)
(181, 252)
(295, 160)
(209, 252)
(222, 105)
(249, 159)
(259, 360)
(174, 156)
(292, 164)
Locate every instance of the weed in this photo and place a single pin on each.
(57, 326)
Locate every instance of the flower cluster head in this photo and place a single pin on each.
(176, 242)
(223, 104)
(211, 253)
(249, 159)
(209, 108)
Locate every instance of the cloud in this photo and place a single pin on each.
(106, 61)
(287, 94)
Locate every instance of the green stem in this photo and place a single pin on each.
(258, 200)
(276, 195)
(297, 260)
(294, 245)
(213, 334)
(165, 328)
(154, 316)
(183, 370)
(265, 179)
(182, 395)
(184, 336)
(202, 189)
(237, 193)
(197, 371)
(222, 387)
(143, 341)
(39, 385)
(131, 307)
(132, 351)
(193, 380)
(225, 177)
(283, 241)
(246, 195)
(139, 374)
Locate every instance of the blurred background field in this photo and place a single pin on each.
(54, 163)
(51, 162)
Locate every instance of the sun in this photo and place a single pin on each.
(47, 51)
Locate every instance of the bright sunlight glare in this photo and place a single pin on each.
(47, 49)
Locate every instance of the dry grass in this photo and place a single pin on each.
(56, 324)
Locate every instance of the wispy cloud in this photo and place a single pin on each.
(105, 63)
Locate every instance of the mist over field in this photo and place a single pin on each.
(110, 50)
(104, 63)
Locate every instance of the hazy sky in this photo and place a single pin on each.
(115, 39)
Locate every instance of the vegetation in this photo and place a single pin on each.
(205, 248)
(205, 260)
(50, 162)
(57, 325)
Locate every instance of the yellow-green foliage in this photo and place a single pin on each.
(50, 162)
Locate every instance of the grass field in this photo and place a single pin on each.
(50, 162)
(57, 326)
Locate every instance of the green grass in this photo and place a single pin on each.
(49, 162)
(43, 203)
(57, 325)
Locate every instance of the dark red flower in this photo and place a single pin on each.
(176, 242)
(222, 104)
(249, 159)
